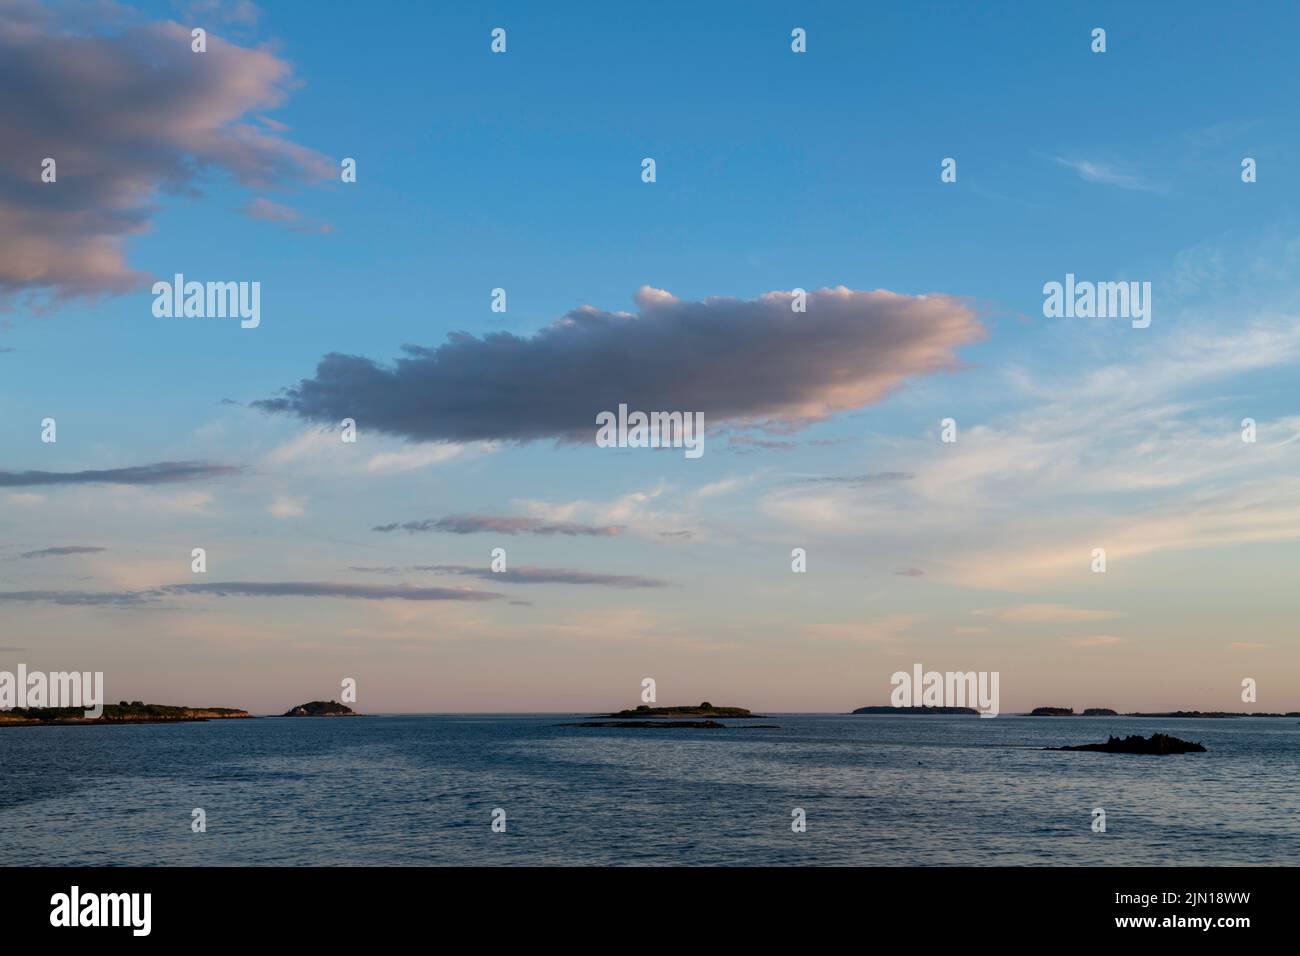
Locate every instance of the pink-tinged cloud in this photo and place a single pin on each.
(128, 112)
(749, 362)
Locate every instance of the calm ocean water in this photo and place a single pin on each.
(420, 790)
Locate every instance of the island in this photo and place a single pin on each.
(1157, 745)
(1213, 714)
(651, 724)
(321, 708)
(662, 718)
(937, 711)
(1181, 714)
(133, 712)
(703, 710)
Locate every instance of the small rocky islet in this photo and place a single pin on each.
(667, 718)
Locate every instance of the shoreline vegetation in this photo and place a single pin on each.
(1069, 712)
(137, 712)
(134, 712)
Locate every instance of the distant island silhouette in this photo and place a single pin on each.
(889, 709)
(666, 725)
(321, 708)
(1069, 712)
(134, 712)
(703, 710)
(661, 718)
(1106, 712)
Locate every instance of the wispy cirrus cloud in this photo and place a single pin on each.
(1045, 613)
(159, 473)
(1095, 640)
(527, 575)
(79, 598)
(268, 210)
(502, 524)
(737, 361)
(332, 589)
(855, 480)
(1107, 174)
(60, 551)
(259, 589)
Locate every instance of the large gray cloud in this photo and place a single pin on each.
(159, 473)
(126, 110)
(746, 361)
(503, 524)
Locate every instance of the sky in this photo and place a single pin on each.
(775, 171)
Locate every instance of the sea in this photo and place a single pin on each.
(424, 790)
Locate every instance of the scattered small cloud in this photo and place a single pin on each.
(534, 575)
(855, 480)
(1094, 640)
(286, 507)
(499, 524)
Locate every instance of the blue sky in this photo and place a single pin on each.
(774, 171)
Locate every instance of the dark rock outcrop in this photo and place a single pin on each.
(1156, 744)
(1052, 712)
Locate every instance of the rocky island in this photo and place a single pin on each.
(662, 718)
(703, 710)
(134, 712)
(651, 724)
(1182, 714)
(1156, 744)
(937, 711)
(321, 708)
